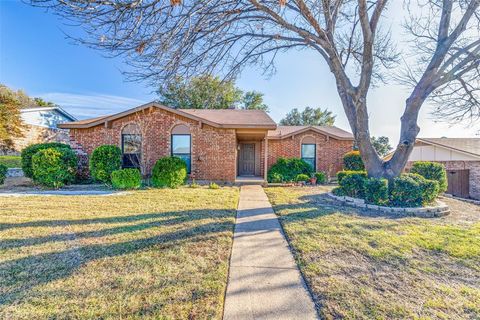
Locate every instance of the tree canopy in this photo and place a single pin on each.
(164, 39)
(10, 120)
(381, 145)
(309, 116)
(209, 92)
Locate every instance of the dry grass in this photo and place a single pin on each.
(367, 265)
(159, 254)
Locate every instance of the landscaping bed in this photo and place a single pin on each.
(367, 264)
(154, 254)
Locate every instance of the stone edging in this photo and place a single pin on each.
(440, 210)
(14, 172)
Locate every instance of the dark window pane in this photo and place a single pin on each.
(186, 158)
(180, 144)
(308, 151)
(310, 161)
(132, 143)
(131, 161)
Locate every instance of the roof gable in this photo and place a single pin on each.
(283, 132)
(225, 118)
(470, 146)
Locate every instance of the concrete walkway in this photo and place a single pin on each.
(264, 281)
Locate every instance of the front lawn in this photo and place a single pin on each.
(11, 161)
(368, 265)
(158, 254)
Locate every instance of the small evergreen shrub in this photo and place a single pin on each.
(169, 172)
(338, 191)
(413, 190)
(353, 184)
(3, 173)
(213, 185)
(126, 179)
(276, 178)
(103, 161)
(352, 161)
(302, 178)
(29, 151)
(343, 174)
(289, 169)
(321, 177)
(54, 167)
(432, 171)
(376, 191)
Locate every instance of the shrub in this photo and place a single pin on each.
(302, 178)
(126, 179)
(276, 178)
(289, 169)
(353, 184)
(338, 192)
(376, 191)
(11, 161)
(194, 185)
(352, 161)
(413, 190)
(103, 161)
(213, 185)
(343, 174)
(3, 173)
(169, 172)
(321, 177)
(432, 171)
(54, 167)
(29, 151)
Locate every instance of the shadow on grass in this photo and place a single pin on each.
(20, 276)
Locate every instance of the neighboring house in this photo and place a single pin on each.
(216, 144)
(41, 125)
(461, 157)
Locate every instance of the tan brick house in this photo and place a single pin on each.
(461, 157)
(216, 144)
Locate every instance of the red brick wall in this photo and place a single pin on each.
(329, 150)
(213, 150)
(472, 166)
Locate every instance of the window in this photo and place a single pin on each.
(131, 146)
(182, 144)
(308, 154)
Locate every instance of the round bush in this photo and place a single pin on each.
(353, 185)
(54, 167)
(376, 191)
(3, 173)
(353, 161)
(289, 169)
(432, 171)
(321, 177)
(103, 161)
(413, 190)
(344, 173)
(276, 178)
(29, 151)
(169, 172)
(126, 179)
(429, 188)
(302, 178)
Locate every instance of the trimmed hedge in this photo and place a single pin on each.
(376, 191)
(352, 161)
(302, 178)
(29, 151)
(432, 171)
(288, 169)
(321, 177)
(169, 172)
(103, 161)
(353, 184)
(344, 173)
(54, 167)
(3, 173)
(11, 161)
(413, 190)
(126, 179)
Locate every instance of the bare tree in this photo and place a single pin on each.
(161, 39)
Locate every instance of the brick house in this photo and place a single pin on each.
(461, 157)
(219, 145)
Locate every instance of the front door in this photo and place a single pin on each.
(246, 159)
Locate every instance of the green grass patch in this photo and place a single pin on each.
(11, 161)
(365, 265)
(150, 254)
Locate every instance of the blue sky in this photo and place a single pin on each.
(36, 56)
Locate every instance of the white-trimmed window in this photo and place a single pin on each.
(181, 142)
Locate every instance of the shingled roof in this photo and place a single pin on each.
(225, 118)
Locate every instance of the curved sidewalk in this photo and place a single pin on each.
(264, 281)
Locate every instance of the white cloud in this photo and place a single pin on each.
(90, 105)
